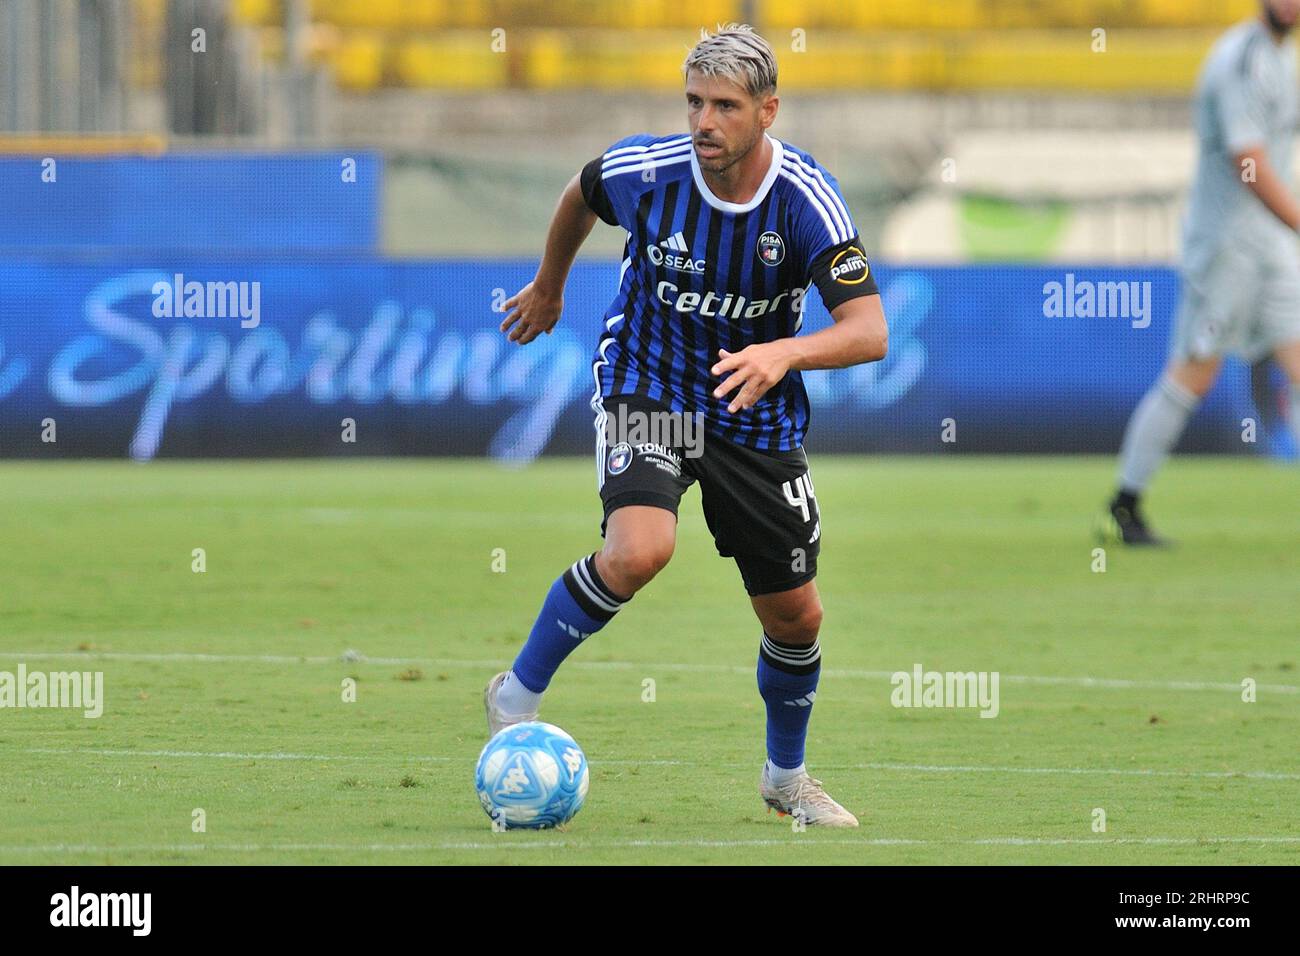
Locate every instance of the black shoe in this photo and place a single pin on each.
(1127, 526)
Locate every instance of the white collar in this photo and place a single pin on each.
(772, 172)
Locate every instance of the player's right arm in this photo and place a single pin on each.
(536, 307)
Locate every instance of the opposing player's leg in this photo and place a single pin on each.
(1222, 295)
(640, 491)
(1278, 330)
(1153, 430)
(1288, 356)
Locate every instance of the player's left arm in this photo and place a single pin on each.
(860, 333)
(1245, 107)
(1261, 177)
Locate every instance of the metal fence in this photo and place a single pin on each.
(182, 67)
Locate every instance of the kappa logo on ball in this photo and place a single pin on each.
(771, 249)
(620, 456)
(850, 266)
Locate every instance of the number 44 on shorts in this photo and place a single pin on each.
(799, 493)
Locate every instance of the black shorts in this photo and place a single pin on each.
(759, 505)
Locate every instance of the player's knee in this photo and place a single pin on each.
(798, 624)
(809, 622)
(633, 567)
(1288, 356)
(1196, 378)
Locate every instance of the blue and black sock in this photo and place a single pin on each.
(578, 605)
(787, 681)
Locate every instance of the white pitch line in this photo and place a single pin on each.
(345, 758)
(1130, 772)
(903, 767)
(1109, 683)
(545, 843)
(223, 755)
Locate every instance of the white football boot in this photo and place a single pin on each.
(803, 797)
(497, 720)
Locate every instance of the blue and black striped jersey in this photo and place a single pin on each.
(701, 274)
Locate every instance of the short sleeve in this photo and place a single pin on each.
(593, 191)
(825, 235)
(842, 272)
(611, 185)
(1243, 104)
(821, 216)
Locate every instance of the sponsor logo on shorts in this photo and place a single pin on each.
(620, 457)
(771, 249)
(662, 457)
(850, 267)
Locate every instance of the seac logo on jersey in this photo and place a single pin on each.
(850, 266)
(620, 456)
(674, 244)
(771, 249)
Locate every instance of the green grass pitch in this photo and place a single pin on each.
(1119, 690)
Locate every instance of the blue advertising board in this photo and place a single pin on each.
(125, 361)
(240, 204)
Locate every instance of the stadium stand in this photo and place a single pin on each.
(1150, 45)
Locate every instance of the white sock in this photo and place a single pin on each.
(781, 776)
(514, 699)
(1153, 431)
(1295, 412)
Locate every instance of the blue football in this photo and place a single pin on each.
(531, 776)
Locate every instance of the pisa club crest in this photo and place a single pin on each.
(620, 456)
(771, 249)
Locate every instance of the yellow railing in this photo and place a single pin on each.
(945, 15)
(80, 144)
(1151, 45)
(1151, 61)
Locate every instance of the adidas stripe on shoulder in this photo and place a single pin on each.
(640, 157)
(823, 198)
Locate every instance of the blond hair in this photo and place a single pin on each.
(737, 53)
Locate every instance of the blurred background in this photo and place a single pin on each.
(384, 170)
